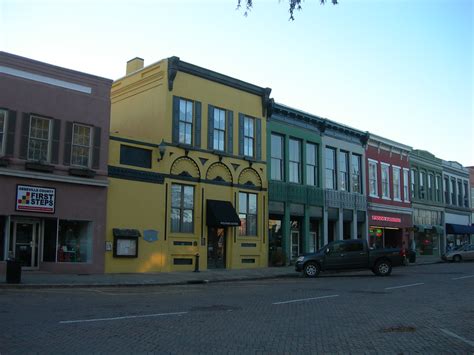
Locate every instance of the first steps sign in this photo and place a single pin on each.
(35, 199)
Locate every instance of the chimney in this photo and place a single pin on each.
(134, 64)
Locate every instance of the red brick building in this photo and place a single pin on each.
(390, 216)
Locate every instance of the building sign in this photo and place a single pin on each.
(387, 219)
(35, 199)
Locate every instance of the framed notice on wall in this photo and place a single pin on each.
(126, 247)
(35, 199)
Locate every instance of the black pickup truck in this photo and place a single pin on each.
(349, 255)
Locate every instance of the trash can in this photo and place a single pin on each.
(13, 272)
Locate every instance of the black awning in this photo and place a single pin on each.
(459, 229)
(221, 214)
(123, 232)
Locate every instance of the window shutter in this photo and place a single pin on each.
(210, 127)
(197, 124)
(175, 129)
(96, 150)
(55, 143)
(11, 126)
(25, 129)
(241, 134)
(68, 144)
(230, 131)
(258, 139)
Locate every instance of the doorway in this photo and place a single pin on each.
(25, 236)
(216, 248)
(295, 244)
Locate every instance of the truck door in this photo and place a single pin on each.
(335, 258)
(356, 255)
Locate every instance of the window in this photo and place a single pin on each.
(3, 131)
(438, 188)
(135, 156)
(373, 178)
(248, 213)
(311, 164)
(405, 185)
(185, 121)
(453, 192)
(413, 174)
(39, 139)
(81, 145)
(343, 171)
(460, 203)
(446, 189)
(396, 183)
(430, 186)
(385, 181)
(74, 241)
(182, 208)
(330, 168)
(466, 194)
(219, 129)
(277, 157)
(249, 136)
(295, 161)
(421, 192)
(355, 173)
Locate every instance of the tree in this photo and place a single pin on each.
(294, 5)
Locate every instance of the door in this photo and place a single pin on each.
(334, 259)
(216, 248)
(313, 242)
(295, 244)
(26, 241)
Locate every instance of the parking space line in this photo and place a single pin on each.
(394, 287)
(119, 318)
(462, 277)
(306, 299)
(471, 343)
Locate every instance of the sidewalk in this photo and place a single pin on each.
(38, 279)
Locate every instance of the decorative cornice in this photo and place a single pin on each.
(173, 66)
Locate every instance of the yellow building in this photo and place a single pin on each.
(187, 170)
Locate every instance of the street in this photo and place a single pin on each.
(418, 309)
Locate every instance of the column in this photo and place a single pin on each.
(286, 242)
(354, 224)
(305, 230)
(340, 225)
(325, 226)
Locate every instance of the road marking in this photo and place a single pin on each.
(462, 277)
(391, 288)
(471, 343)
(124, 317)
(306, 299)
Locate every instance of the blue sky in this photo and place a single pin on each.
(400, 69)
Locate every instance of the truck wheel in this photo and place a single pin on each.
(457, 258)
(311, 269)
(383, 268)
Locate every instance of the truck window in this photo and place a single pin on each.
(354, 246)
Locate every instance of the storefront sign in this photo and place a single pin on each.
(35, 199)
(387, 219)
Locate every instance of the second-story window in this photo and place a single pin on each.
(396, 183)
(295, 161)
(430, 186)
(413, 174)
(39, 141)
(438, 188)
(185, 121)
(343, 171)
(453, 192)
(421, 192)
(276, 157)
(405, 185)
(385, 181)
(446, 189)
(355, 173)
(81, 145)
(182, 207)
(3, 131)
(460, 202)
(330, 168)
(373, 179)
(249, 136)
(219, 129)
(466, 194)
(311, 164)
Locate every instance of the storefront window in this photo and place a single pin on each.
(2, 238)
(74, 241)
(275, 236)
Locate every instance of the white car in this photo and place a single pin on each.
(466, 252)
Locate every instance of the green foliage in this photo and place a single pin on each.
(293, 5)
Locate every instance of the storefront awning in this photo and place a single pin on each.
(123, 232)
(221, 214)
(459, 229)
(425, 228)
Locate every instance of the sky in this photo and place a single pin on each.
(401, 69)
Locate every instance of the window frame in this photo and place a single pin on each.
(446, 192)
(312, 167)
(460, 194)
(385, 185)
(359, 175)
(247, 214)
(374, 165)
(430, 187)
(292, 163)
(182, 208)
(247, 138)
(413, 175)
(396, 189)
(332, 173)
(466, 193)
(453, 191)
(343, 174)
(274, 159)
(421, 185)
(406, 185)
(219, 130)
(185, 122)
(3, 132)
(91, 137)
(49, 140)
